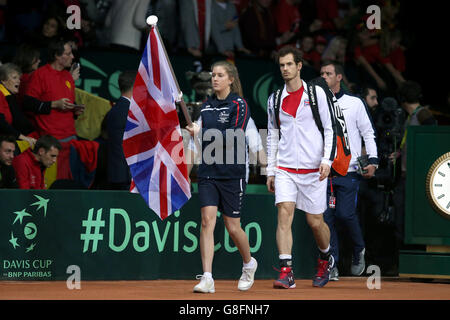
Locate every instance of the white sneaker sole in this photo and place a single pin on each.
(198, 290)
(246, 287)
(334, 279)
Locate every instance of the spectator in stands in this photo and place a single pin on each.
(51, 94)
(336, 51)
(7, 174)
(377, 67)
(96, 12)
(310, 56)
(328, 14)
(225, 31)
(390, 11)
(195, 16)
(126, 20)
(287, 18)
(368, 55)
(30, 165)
(27, 58)
(86, 36)
(75, 68)
(392, 48)
(51, 97)
(118, 172)
(12, 120)
(166, 11)
(314, 56)
(258, 28)
(309, 22)
(320, 43)
(52, 29)
(306, 45)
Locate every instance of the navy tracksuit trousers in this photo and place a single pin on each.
(346, 192)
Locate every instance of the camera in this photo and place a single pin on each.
(389, 118)
(75, 66)
(363, 161)
(200, 83)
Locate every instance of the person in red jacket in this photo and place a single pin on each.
(31, 164)
(50, 95)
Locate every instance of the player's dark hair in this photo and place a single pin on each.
(338, 69)
(284, 51)
(126, 80)
(364, 91)
(56, 49)
(409, 92)
(7, 138)
(46, 142)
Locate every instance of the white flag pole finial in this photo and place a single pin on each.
(152, 20)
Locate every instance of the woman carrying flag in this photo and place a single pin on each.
(221, 180)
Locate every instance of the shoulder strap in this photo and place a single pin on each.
(312, 95)
(276, 106)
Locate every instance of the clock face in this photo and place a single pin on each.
(438, 185)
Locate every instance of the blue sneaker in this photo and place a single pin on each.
(323, 272)
(285, 279)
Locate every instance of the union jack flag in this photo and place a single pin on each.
(152, 142)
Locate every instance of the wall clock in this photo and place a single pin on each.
(438, 185)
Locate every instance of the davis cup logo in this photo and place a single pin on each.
(23, 231)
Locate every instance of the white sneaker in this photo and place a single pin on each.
(334, 274)
(206, 285)
(248, 277)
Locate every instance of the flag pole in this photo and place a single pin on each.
(152, 21)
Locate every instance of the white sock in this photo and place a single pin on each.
(251, 264)
(207, 275)
(325, 250)
(285, 256)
